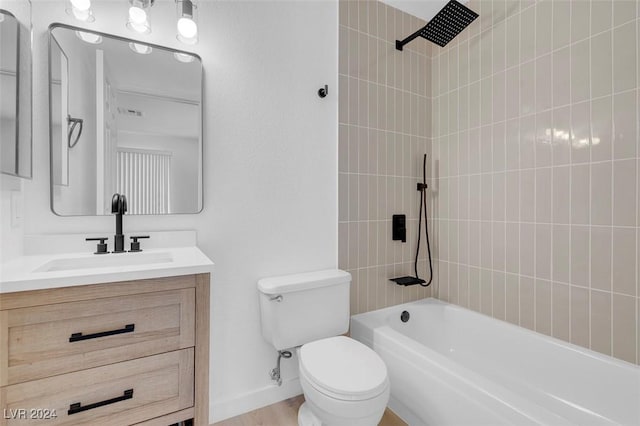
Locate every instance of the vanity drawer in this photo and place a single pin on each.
(55, 339)
(117, 394)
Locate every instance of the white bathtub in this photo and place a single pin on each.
(452, 366)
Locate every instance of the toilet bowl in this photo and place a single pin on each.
(344, 382)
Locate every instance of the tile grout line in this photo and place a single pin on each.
(570, 186)
(590, 191)
(551, 269)
(613, 196)
(595, 290)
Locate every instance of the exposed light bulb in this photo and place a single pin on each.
(81, 4)
(90, 38)
(81, 15)
(81, 10)
(142, 49)
(186, 24)
(187, 28)
(138, 18)
(183, 57)
(137, 15)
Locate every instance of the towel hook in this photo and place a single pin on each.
(323, 91)
(72, 123)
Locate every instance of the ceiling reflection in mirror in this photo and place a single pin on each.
(126, 117)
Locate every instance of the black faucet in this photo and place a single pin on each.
(119, 207)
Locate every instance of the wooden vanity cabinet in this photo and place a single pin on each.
(121, 353)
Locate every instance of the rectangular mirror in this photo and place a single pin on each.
(126, 117)
(15, 87)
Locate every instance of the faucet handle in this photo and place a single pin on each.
(135, 244)
(102, 246)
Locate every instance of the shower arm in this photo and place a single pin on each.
(400, 43)
(453, 18)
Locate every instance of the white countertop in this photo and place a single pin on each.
(19, 274)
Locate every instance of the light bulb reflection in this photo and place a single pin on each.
(89, 37)
(184, 57)
(142, 49)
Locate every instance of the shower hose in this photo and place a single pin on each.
(423, 203)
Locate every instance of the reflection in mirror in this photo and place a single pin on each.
(58, 85)
(9, 39)
(125, 118)
(15, 87)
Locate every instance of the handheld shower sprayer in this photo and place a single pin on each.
(409, 280)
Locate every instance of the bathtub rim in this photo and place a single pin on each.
(377, 318)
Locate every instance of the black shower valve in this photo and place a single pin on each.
(399, 231)
(422, 186)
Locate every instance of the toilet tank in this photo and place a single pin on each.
(297, 309)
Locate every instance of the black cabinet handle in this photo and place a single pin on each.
(78, 408)
(76, 337)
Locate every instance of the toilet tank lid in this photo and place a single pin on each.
(304, 281)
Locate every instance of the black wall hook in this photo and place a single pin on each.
(323, 91)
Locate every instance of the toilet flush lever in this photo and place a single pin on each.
(277, 298)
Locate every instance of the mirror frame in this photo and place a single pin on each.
(126, 40)
(28, 27)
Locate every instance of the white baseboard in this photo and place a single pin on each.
(231, 407)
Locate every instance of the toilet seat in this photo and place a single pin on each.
(343, 368)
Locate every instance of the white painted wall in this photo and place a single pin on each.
(11, 231)
(270, 173)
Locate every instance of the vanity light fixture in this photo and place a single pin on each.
(187, 21)
(90, 38)
(183, 57)
(142, 49)
(139, 16)
(81, 10)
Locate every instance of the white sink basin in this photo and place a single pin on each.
(105, 261)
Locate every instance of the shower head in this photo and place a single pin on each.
(445, 26)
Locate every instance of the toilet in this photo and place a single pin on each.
(344, 382)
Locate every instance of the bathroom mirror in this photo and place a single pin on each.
(15, 87)
(125, 117)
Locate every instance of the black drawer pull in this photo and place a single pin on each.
(78, 408)
(76, 337)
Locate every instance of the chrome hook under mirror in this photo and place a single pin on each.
(72, 123)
